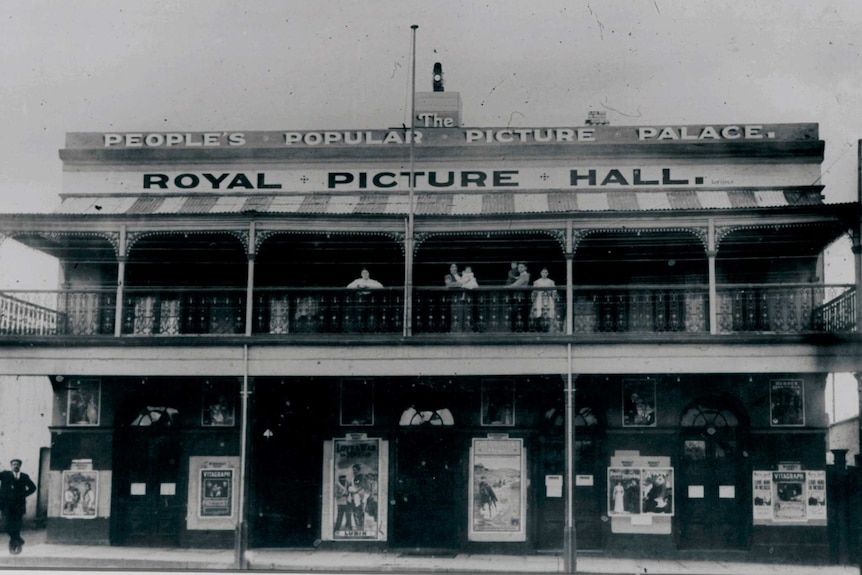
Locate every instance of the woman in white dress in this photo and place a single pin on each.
(544, 310)
(619, 497)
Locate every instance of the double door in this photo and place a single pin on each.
(149, 489)
(430, 491)
(713, 492)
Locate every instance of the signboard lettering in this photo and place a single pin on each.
(440, 129)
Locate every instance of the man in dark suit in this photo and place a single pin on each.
(15, 487)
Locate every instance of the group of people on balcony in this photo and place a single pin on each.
(520, 310)
(511, 312)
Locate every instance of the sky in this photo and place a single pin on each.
(207, 65)
(113, 65)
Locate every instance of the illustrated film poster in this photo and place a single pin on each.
(762, 494)
(657, 486)
(624, 491)
(216, 492)
(787, 407)
(789, 497)
(639, 403)
(497, 490)
(83, 402)
(816, 494)
(80, 490)
(356, 489)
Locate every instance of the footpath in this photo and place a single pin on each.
(85, 558)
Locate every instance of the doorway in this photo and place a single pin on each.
(430, 489)
(149, 488)
(713, 479)
(286, 462)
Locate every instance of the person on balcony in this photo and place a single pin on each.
(364, 281)
(544, 313)
(468, 278)
(460, 319)
(513, 274)
(519, 300)
(363, 318)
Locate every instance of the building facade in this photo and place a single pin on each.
(274, 334)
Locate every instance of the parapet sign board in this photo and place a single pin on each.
(285, 162)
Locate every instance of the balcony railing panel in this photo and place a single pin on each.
(68, 312)
(752, 308)
(838, 314)
(785, 308)
(328, 310)
(641, 309)
(489, 310)
(182, 311)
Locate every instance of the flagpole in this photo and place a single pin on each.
(408, 237)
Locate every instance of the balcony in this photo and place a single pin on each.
(294, 312)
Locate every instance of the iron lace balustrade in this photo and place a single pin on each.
(786, 308)
(489, 310)
(641, 309)
(311, 310)
(838, 314)
(184, 311)
(66, 312)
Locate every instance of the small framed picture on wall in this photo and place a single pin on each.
(639, 403)
(84, 400)
(786, 403)
(498, 402)
(357, 401)
(219, 407)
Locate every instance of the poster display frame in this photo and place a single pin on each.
(77, 504)
(789, 497)
(498, 489)
(358, 498)
(637, 491)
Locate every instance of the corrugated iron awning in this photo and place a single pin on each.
(445, 204)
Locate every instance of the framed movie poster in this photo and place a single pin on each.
(498, 403)
(357, 401)
(80, 494)
(219, 408)
(789, 496)
(216, 492)
(356, 489)
(786, 403)
(762, 495)
(497, 496)
(84, 402)
(816, 494)
(657, 489)
(624, 491)
(639, 403)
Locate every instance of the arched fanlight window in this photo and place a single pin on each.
(156, 416)
(411, 416)
(709, 417)
(710, 432)
(584, 417)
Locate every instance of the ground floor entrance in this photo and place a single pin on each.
(429, 495)
(149, 488)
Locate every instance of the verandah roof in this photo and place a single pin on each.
(443, 204)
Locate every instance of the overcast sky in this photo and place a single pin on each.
(108, 65)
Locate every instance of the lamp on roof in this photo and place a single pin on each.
(437, 77)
